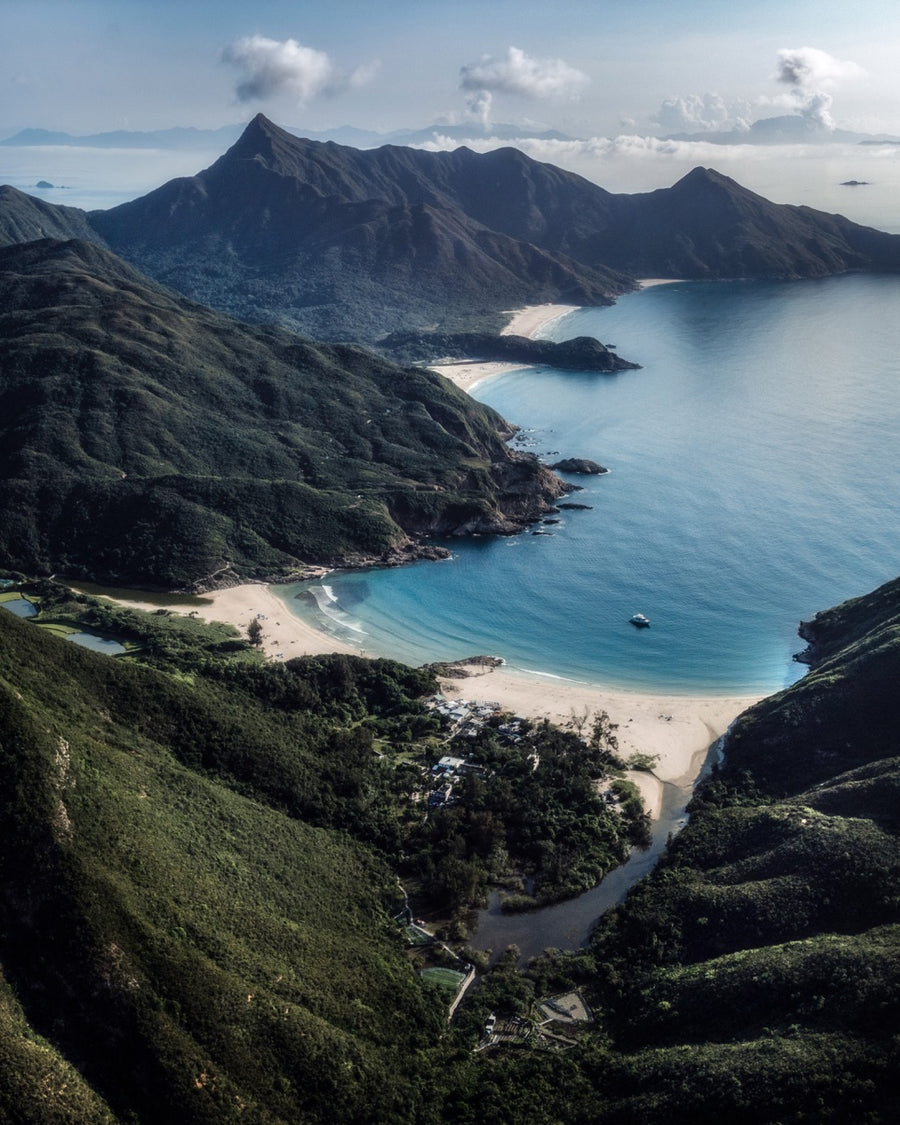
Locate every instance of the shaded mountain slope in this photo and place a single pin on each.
(773, 924)
(180, 950)
(707, 225)
(333, 239)
(150, 440)
(348, 244)
(336, 241)
(23, 218)
(845, 712)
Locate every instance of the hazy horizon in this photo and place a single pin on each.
(617, 78)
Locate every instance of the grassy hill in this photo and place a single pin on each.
(149, 440)
(194, 915)
(186, 943)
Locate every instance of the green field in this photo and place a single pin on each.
(445, 978)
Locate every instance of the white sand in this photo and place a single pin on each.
(678, 729)
(523, 322)
(284, 634)
(528, 321)
(465, 374)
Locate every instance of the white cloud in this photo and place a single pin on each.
(701, 113)
(812, 75)
(521, 74)
(272, 68)
(810, 69)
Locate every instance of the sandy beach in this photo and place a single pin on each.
(676, 729)
(523, 322)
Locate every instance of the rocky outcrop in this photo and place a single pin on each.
(579, 465)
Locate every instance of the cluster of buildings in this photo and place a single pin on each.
(446, 773)
(466, 719)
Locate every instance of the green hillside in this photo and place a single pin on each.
(754, 977)
(146, 440)
(195, 951)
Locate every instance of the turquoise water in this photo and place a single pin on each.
(754, 480)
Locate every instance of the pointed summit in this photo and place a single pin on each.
(344, 243)
(265, 141)
(700, 180)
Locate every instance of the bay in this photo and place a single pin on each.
(753, 481)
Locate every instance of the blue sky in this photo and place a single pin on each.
(590, 69)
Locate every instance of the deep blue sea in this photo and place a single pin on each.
(754, 479)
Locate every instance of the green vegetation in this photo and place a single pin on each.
(531, 808)
(583, 353)
(148, 441)
(755, 975)
(168, 921)
(199, 853)
(450, 979)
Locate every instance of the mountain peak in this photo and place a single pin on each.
(700, 175)
(262, 138)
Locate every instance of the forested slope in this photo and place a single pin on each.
(147, 440)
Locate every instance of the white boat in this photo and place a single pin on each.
(640, 620)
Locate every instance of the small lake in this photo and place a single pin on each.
(96, 644)
(21, 607)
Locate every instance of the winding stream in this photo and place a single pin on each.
(568, 925)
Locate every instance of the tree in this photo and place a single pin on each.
(254, 632)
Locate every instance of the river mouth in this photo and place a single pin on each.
(568, 925)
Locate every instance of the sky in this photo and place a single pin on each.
(615, 75)
(587, 68)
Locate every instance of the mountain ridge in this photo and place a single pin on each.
(343, 243)
(154, 441)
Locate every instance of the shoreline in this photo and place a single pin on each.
(527, 321)
(676, 728)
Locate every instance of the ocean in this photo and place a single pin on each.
(753, 481)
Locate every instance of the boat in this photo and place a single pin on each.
(640, 620)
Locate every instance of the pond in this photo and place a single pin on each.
(96, 644)
(21, 607)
